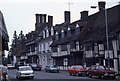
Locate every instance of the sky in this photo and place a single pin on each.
(20, 14)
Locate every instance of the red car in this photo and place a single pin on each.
(100, 71)
(77, 70)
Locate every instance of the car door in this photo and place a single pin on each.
(17, 71)
(70, 69)
(92, 70)
(74, 71)
(96, 71)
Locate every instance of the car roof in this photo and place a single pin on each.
(1, 65)
(97, 65)
(76, 65)
(23, 66)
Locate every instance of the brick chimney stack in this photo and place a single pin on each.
(43, 18)
(101, 5)
(67, 16)
(84, 14)
(50, 20)
(40, 18)
(37, 18)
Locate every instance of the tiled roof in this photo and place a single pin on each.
(94, 27)
(95, 30)
(36, 33)
(4, 29)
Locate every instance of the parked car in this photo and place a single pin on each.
(24, 71)
(19, 64)
(77, 70)
(100, 71)
(3, 72)
(36, 67)
(10, 66)
(52, 68)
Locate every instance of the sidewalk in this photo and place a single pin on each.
(7, 78)
(118, 76)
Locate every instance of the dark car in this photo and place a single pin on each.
(19, 64)
(52, 68)
(77, 70)
(100, 71)
(36, 67)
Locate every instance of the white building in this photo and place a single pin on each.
(44, 41)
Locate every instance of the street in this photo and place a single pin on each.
(63, 75)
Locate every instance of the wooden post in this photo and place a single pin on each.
(0, 45)
(0, 51)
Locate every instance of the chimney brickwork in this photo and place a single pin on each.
(84, 14)
(101, 5)
(67, 16)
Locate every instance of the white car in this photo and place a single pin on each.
(24, 71)
(52, 68)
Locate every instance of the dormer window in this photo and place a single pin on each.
(65, 33)
(69, 33)
(47, 33)
(62, 33)
(72, 31)
(68, 28)
(77, 30)
(52, 31)
(56, 35)
(59, 35)
(43, 34)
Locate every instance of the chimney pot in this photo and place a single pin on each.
(67, 16)
(50, 21)
(84, 14)
(101, 5)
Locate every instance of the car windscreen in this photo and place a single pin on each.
(53, 66)
(25, 68)
(100, 68)
(78, 67)
(34, 65)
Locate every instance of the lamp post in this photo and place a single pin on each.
(106, 29)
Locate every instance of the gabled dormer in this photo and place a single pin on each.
(77, 29)
(59, 35)
(56, 36)
(47, 33)
(62, 33)
(68, 31)
(52, 31)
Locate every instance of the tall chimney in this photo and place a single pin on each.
(50, 21)
(101, 5)
(40, 18)
(37, 18)
(84, 14)
(67, 16)
(43, 18)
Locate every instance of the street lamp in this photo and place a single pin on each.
(106, 25)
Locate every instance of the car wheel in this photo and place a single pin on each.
(77, 74)
(90, 76)
(49, 71)
(102, 76)
(57, 71)
(113, 77)
(17, 77)
(32, 77)
(70, 74)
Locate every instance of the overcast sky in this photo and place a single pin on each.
(20, 14)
